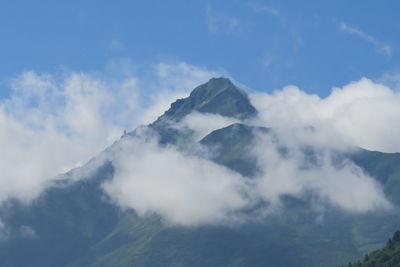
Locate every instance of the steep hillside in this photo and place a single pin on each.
(389, 256)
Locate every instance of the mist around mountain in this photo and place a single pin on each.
(214, 181)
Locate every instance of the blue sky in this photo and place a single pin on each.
(262, 44)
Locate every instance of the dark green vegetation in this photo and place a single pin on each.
(389, 256)
(74, 223)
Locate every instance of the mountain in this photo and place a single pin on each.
(217, 96)
(389, 256)
(75, 224)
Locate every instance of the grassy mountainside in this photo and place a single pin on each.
(389, 256)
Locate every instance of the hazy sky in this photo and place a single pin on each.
(263, 44)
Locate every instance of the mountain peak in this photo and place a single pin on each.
(213, 87)
(217, 96)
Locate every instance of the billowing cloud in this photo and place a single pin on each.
(188, 190)
(52, 123)
(362, 114)
(49, 126)
(163, 180)
(295, 173)
(182, 188)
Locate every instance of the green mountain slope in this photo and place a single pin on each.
(389, 256)
(74, 224)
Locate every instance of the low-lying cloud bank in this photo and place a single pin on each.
(51, 124)
(183, 188)
(186, 190)
(300, 174)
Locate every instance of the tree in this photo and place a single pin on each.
(396, 236)
(390, 244)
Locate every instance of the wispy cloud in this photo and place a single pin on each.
(260, 8)
(221, 23)
(382, 47)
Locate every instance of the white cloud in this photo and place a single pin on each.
(52, 123)
(344, 186)
(362, 113)
(203, 124)
(163, 180)
(184, 189)
(48, 126)
(382, 47)
(188, 190)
